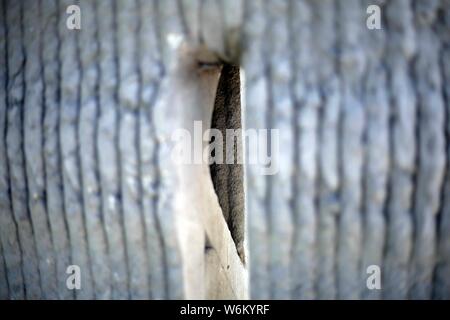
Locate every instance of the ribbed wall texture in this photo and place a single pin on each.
(364, 123)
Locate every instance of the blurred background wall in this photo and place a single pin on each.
(363, 117)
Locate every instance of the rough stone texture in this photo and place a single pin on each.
(86, 175)
(228, 178)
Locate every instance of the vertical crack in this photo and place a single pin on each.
(155, 160)
(58, 132)
(116, 139)
(78, 161)
(96, 136)
(7, 164)
(21, 72)
(42, 125)
(137, 136)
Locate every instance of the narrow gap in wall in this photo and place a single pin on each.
(227, 170)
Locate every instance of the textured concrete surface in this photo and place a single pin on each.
(86, 177)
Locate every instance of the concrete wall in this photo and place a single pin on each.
(87, 178)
